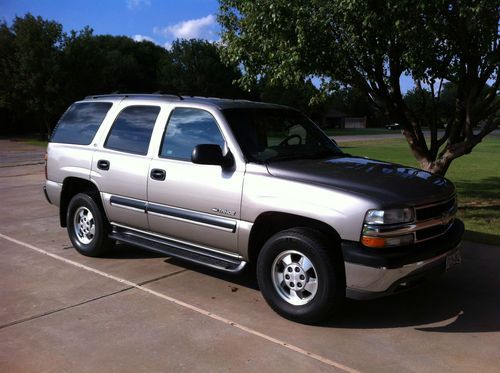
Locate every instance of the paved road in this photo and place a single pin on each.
(15, 153)
(350, 138)
(136, 311)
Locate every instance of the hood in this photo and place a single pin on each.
(386, 183)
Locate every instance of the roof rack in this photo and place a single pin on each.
(169, 93)
(124, 95)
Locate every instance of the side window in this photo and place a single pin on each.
(187, 128)
(131, 131)
(80, 123)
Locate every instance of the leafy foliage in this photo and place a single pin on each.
(371, 45)
(30, 54)
(194, 67)
(104, 63)
(43, 70)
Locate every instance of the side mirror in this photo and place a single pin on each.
(210, 154)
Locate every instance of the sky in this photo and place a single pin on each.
(160, 21)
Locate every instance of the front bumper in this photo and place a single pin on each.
(372, 273)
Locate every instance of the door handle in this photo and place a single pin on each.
(158, 174)
(102, 164)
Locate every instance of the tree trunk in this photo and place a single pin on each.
(439, 166)
(47, 130)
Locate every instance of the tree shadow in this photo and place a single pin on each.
(487, 238)
(438, 307)
(487, 188)
(464, 300)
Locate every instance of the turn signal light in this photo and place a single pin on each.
(379, 242)
(373, 241)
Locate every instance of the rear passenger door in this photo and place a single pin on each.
(192, 202)
(120, 165)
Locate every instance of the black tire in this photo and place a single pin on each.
(318, 291)
(90, 235)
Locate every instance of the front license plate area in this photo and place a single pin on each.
(453, 259)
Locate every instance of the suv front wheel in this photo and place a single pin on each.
(300, 278)
(87, 228)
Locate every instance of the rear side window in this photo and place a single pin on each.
(80, 123)
(187, 128)
(132, 129)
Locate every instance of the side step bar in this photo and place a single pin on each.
(179, 250)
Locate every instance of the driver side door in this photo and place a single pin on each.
(199, 204)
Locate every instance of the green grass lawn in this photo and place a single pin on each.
(30, 139)
(36, 142)
(476, 176)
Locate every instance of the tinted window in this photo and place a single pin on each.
(131, 131)
(267, 135)
(80, 123)
(187, 128)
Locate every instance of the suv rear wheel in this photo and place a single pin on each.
(299, 277)
(87, 228)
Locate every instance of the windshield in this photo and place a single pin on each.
(267, 135)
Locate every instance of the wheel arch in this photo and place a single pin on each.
(269, 223)
(71, 187)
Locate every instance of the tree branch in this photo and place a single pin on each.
(492, 124)
(490, 96)
(432, 124)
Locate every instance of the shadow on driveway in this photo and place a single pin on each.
(464, 300)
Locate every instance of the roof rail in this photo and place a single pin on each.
(169, 93)
(124, 95)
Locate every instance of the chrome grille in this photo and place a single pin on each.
(438, 217)
(426, 233)
(435, 210)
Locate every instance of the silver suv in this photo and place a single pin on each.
(224, 183)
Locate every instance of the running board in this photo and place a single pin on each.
(179, 250)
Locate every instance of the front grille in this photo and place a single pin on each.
(431, 232)
(435, 211)
(442, 212)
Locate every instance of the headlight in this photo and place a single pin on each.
(377, 236)
(391, 216)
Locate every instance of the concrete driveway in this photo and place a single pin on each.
(136, 311)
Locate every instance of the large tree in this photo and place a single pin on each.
(94, 64)
(194, 67)
(371, 44)
(31, 51)
(7, 83)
